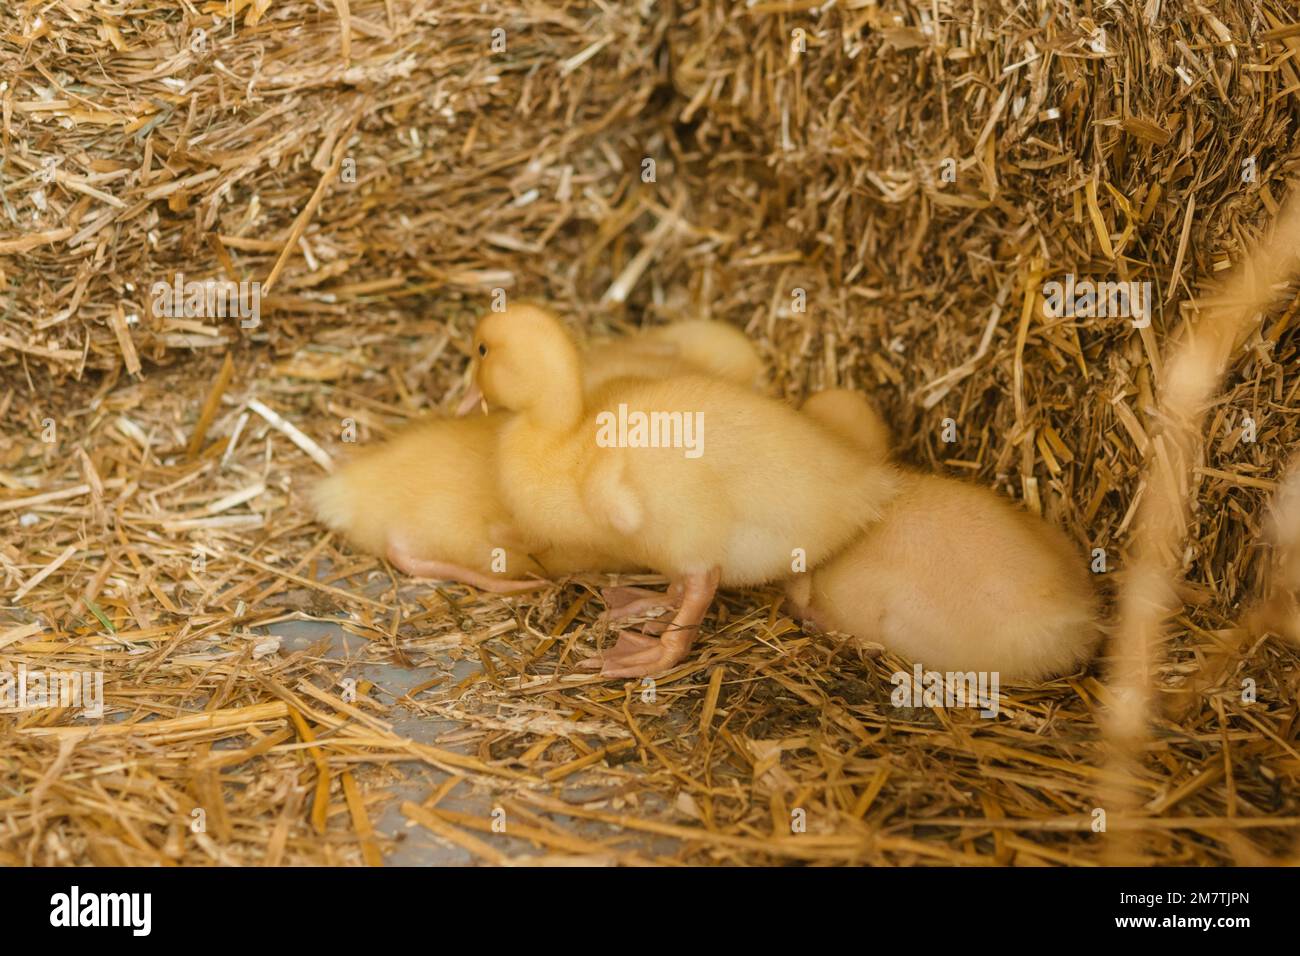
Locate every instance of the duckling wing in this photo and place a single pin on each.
(611, 497)
(756, 486)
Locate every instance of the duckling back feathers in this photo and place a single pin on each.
(957, 578)
(692, 347)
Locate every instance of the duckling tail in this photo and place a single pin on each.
(337, 500)
(879, 486)
(329, 501)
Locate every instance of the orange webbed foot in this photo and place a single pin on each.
(622, 603)
(641, 653)
(637, 654)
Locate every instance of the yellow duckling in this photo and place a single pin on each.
(429, 492)
(953, 576)
(853, 417)
(699, 479)
(697, 346)
(427, 499)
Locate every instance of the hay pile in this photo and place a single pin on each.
(876, 192)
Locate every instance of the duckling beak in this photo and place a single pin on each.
(473, 398)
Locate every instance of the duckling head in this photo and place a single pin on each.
(528, 363)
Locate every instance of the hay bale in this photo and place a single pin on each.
(876, 192)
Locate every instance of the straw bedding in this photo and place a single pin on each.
(875, 192)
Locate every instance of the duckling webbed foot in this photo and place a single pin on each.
(641, 654)
(622, 603)
(408, 563)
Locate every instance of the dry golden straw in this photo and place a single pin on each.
(875, 192)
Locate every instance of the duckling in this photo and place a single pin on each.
(690, 347)
(852, 416)
(694, 346)
(720, 487)
(427, 499)
(428, 492)
(952, 576)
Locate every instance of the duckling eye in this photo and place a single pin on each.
(482, 350)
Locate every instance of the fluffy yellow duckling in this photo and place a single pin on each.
(427, 499)
(695, 346)
(953, 576)
(697, 478)
(853, 417)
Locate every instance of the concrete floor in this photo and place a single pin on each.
(415, 845)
